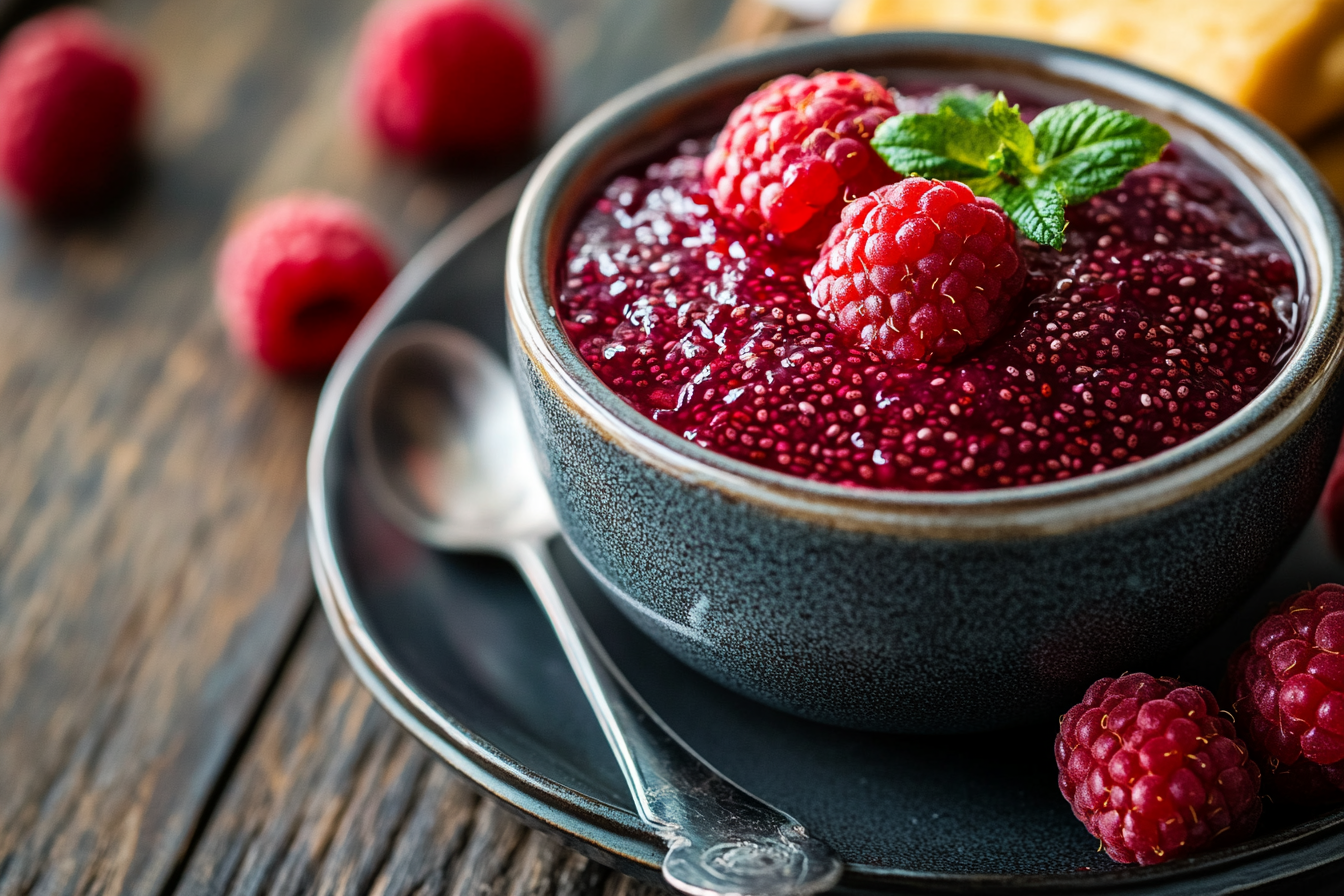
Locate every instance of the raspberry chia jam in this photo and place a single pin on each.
(1170, 306)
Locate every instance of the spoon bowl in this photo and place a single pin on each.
(445, 448)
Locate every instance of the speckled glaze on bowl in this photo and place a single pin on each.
(923, 612)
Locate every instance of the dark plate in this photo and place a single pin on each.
(456, 650)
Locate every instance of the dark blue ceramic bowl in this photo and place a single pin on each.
(923, 612)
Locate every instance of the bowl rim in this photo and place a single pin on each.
(565, 178)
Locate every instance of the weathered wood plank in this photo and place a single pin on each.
(329, 794)
(332, 797)
(152, 575)
(151, 570)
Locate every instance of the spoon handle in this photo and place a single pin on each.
(721, 839)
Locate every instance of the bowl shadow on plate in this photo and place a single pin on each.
(466, 633)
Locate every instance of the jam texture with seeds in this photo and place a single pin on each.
(1170, 307)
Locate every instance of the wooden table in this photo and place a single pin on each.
(174, 714)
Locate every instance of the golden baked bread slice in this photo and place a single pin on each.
(1283, 59)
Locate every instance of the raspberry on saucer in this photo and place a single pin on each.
(1288, 684)
(1154, 771)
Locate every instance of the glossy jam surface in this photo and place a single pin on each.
(1170, 307)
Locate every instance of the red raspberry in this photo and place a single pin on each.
(796, 151)
(1154, 771)
(296, 277)
(1288, 684)
(918, 271)
(71, 98)
(436, 78)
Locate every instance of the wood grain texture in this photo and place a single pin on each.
(332, 797)
(152, 572)
(174, 715)
(151, 568)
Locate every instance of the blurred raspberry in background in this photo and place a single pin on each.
(296, 276)
(72, 97)
(435, 79)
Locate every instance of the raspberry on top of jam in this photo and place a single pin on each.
(1169, 307)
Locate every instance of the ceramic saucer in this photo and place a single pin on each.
(455, 649)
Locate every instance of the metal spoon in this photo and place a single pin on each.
(443, 447)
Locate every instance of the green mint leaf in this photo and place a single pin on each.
(965, 105)
(1038, 213)
(1084, 148)
(941, 145)
(1068, 153)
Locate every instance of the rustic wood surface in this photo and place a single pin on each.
(173, 714)
(175, 717)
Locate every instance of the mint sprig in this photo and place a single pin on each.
(1069, 153)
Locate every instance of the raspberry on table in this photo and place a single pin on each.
(795, 151)
(438, 78)
(1288, 688)
(71, 101)
(295, 278)
(919, 270)
(1154, 771)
